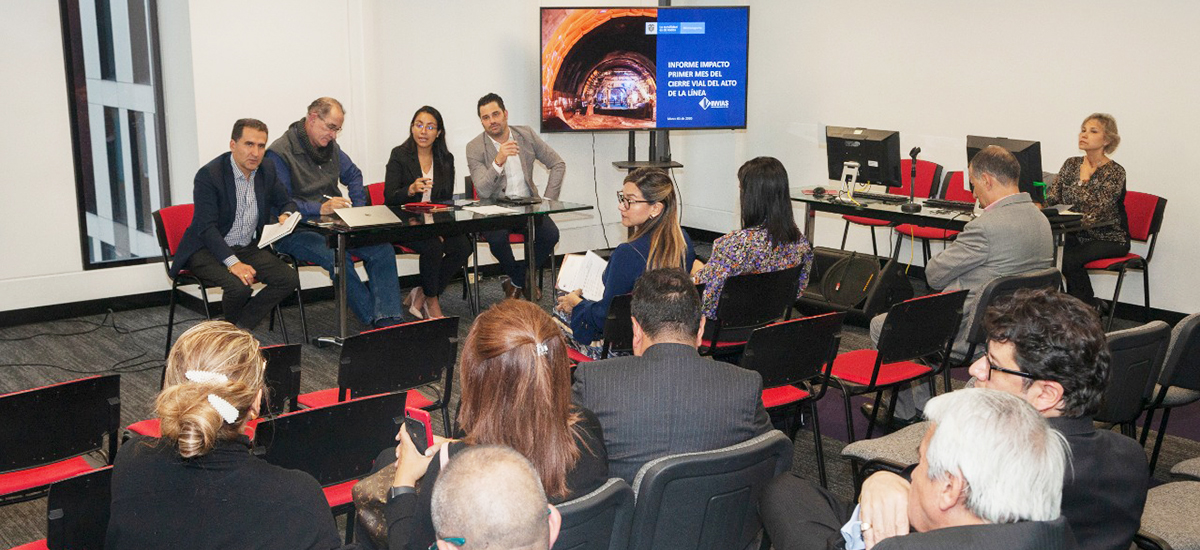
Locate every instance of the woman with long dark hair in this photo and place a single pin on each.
(649, 205)
(422, 170)
(768, 240)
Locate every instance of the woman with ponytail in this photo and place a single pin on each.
(516, 391)
(649, 206)
(198, 486)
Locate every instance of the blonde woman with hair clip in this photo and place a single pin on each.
(649, 206)
(199, 486)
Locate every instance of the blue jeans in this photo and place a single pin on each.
(381, 300)
(545, 237)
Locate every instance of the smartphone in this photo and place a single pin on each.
(420, 430)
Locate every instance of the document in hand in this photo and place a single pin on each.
(583, 272)
(276, 231)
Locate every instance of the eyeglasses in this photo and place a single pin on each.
(993, 367)
(431, 126)
(330, 126)
(626, 201)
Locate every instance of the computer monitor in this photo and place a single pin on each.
(876, 151)
(1029, 155)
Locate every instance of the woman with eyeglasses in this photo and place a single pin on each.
(515, 377)
(650, 206)
(768, 240)
(422, 170)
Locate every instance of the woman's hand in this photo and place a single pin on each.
(410, 464)
(697, 265)
(567, 302)
(419, 185)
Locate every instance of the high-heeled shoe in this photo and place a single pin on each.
(410, 297)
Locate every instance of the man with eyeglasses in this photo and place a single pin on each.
(1049, 349)
(310, 163)
(501, 163)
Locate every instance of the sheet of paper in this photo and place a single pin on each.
(489, 210)
(583, 272)
(276, 231)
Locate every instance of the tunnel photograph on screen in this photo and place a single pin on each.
(643, 68)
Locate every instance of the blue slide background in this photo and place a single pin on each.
(725, 39)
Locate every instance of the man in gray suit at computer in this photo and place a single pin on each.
(1010, 237)
(667, 399)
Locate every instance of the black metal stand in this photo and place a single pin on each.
(659, 141)
(911, 206)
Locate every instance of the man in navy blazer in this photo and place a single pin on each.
(235, 195)
(667, 399)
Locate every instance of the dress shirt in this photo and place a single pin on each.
(246, 219)
(513, 172)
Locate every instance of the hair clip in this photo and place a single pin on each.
(228, 412)
(542, 349)
(205, 377)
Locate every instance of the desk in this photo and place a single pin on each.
(416, 227)
(928, 216)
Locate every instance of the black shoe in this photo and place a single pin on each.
(897, 422)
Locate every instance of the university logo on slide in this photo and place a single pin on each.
(705, 103)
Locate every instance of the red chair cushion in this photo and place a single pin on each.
(856, 367)
(516, 238)
(329, 396)
(866, 221)
(783, 395)
(338, 495)
(405, 250)
(577, 357)
(1112, 263)
(928, 233)
(32, 478)
(35, 545)
(721, 345)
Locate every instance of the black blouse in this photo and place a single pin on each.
(1100, 200)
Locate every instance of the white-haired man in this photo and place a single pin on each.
(990, 476)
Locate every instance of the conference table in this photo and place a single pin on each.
(417, 226)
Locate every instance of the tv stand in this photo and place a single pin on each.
(656, 160)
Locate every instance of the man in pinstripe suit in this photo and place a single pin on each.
(667, 399)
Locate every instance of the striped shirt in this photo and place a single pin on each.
(245, 220)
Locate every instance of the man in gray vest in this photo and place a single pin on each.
(309, 162)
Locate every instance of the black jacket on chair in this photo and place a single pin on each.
(669, 401)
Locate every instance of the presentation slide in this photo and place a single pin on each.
(643, 68)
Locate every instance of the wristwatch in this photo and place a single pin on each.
(395, 492)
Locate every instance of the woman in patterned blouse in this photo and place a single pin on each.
(768, 240)
(1095, 186)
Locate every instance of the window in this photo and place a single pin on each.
(115, 95)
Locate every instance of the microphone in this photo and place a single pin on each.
(911, 206)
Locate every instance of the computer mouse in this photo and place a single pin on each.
(819, 192)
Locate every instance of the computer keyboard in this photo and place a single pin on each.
(953, 205)
(882, 197)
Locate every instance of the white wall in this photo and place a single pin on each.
(935, 70)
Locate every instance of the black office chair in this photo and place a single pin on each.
(1137, 358)
(335, 444)
(47, 433)
(795, 358)
(77, 511)
(747, 302)
(618, 330)
(599, 520)
(706, 500)
(1179, 383)
(1168, 519)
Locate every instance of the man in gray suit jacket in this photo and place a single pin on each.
(501, 164)
(1010, 237)
(667, 399)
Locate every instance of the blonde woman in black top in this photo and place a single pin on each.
(1094, 185)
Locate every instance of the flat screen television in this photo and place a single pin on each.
(1029, 156)
(876, 151)
(640, 68)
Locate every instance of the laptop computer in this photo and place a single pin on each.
(365, 216)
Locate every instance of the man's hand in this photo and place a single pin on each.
(328, 206)
(411, 465)
(884, 506)
(507, 149)
(243, 272)
(567, 302)
(419, 186)
(283, 218)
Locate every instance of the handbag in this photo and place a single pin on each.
(371, 495)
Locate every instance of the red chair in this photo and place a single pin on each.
(914, 329)
(77, 511)
(952, 189)
(170, 224)
(46, 434)
(928, 175)
(1145, 213)
(794, 358)
(392, 359)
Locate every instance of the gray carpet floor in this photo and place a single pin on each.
(131, 343)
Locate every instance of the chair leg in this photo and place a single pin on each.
(1158, 440)
(1112, 311)
(1146, 427)
(926, 250)
(282, 323)
(303, 318)
(874, 244)
(1146, 291)
(820, 451)
(170, 322)
(849, 417)
(875, 414)
(845, 233)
